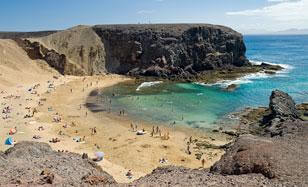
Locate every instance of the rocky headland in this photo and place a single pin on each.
(187, 52)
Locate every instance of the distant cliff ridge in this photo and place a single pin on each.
(179, 51)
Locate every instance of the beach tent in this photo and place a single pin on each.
(9, 141)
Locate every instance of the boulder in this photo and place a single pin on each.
(249, 155)
(282, 105)
(32, 164)
(231, 87)
(282, 114)
(281, 159)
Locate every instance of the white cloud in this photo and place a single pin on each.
(284, 13)
(145, 11)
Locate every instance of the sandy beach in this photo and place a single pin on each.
(45, 105)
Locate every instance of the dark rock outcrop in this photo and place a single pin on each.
(170, 49)
(282, 114)
(180, 176)
(282, 159)
(31, 164)
(282, 106)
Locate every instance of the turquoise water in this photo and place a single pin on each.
(206, 106)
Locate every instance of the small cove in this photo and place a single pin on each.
(209, 106)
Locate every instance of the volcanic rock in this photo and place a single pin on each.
(31, 163)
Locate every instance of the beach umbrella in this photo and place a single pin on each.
(99, 154)
(9, 141)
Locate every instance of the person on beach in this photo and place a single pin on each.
(132, 126)
(13, 131)
(152, 133)
(86, 114)
(188, 150)
(203, 162)
(129, 174)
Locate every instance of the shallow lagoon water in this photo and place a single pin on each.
(206, 106)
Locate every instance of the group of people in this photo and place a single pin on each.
(93, 131)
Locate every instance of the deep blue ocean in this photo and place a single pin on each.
(205, 106)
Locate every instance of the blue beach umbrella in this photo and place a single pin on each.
(99, 155)
(9, 141)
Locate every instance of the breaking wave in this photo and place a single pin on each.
(251, 77)
(147, 84)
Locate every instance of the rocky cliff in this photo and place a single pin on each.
(178, 51)
(170, 50)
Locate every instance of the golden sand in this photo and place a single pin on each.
(124, 150)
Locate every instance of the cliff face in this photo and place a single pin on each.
(167, 50)
(81, 47)
(162, 50)
(37, 51)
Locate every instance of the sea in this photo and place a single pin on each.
(208, 106)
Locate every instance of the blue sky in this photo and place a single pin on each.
(243, 15)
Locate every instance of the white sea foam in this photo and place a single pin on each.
(286, 67)
(254, 76)
(147, 84)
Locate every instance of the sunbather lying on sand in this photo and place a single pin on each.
(54, 140)
(36, 137)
